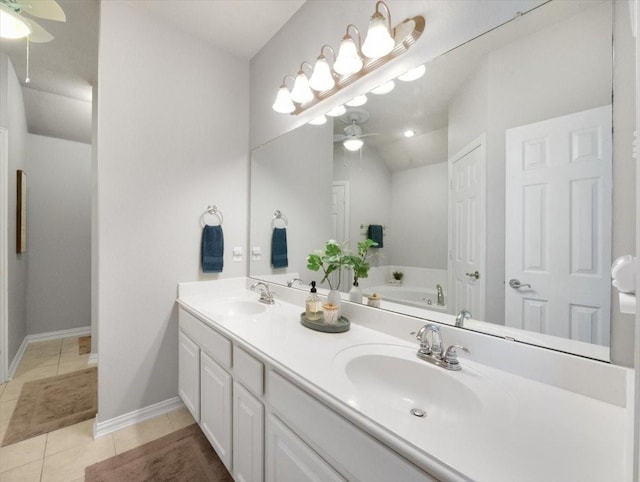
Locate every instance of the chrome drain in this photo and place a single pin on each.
(416, 412)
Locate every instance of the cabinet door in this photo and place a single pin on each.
(248, 436)
(215, 407)
(189, 374)
(289, 459)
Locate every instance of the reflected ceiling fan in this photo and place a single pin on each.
(352, 137)
(15, 22)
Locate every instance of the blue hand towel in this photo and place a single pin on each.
(375, 233)
(212, 249)
(279, 248)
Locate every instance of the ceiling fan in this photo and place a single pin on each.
(352, 137)
(15, 23)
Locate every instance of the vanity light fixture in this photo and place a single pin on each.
(301, 91)
(379, 41)
(384, 88)
(354, 61)
(353, 144)
(12, 25)
(357, 101)
(318, 121)
(413, 74)
(337, 111)
(409, 133)
(283, 103)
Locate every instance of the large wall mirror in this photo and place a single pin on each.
(501, 198)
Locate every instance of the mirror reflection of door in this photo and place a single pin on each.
(467, 229)
(340, 221)
(558, 226)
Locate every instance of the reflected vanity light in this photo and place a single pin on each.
(413, 74)
(318, 121)
(357, 101)
(283, 103)
(353, 61)
(409, 133)
(384, 88)
(337, 111)
(353, 144)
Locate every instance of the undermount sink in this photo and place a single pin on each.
(238, 308)
(392, 375)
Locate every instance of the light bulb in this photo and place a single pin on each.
(357, 101)
(384, 88)
(12, 26)
(321, 78)
(348, 61)
(379, 41)
(337, 111)
(301, 92)
(413, 74)
(409, 133)
(283, 103)
(353, 144)
(318, 121)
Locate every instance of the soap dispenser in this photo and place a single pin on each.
(313, 305)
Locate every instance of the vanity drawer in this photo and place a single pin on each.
(336, 439)
(209, 340)
(248, 370)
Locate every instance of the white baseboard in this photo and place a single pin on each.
(52, 335)
(93, 359)
(137, 416)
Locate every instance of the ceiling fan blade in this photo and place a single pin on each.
(340, 137)
(47, 9)
(38, 34)
(372, 134)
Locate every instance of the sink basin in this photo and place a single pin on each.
(238, 308)
(392, 375)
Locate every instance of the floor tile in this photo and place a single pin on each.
(36, 362)
(21, 453)
(70, 464)
(6, 410)
(25, 473)
(70, 344)
(80, 434)
(141, 433)
(37, 373)
(11, 391)
(180, 418)
(73, 365)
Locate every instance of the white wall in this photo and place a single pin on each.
(292, 174)
(419, 206)
(59, 206)
(12, 118)
(173, 138)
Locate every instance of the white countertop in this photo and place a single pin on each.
(526, 430)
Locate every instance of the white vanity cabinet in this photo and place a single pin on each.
(189, 374)
(248, 436)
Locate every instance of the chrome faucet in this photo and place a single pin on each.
(291, 281)
(463, 315)
(266, 296)
(433, 351)
(440, 299)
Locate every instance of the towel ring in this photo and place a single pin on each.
(214, 211)
(279, 216)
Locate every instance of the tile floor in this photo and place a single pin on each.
(62, 455)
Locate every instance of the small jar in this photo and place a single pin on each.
(331, 313)
(374, 300)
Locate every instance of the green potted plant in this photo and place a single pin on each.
(396, 277)
(360, 265)
(330, 261)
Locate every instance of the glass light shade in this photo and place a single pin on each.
(409, 133)
(301, 92)
(348, 61)
(353, 144)
(283, 103)
(12, 26)
(318, 121)
(384, 88)
(379, 41)
(357, 101)
(337, 111)
(413, 74)
(321, 78)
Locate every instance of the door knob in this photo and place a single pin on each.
(516, 285)
(475, 275)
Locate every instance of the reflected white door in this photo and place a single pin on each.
(558, 226)
(340, 222)
(467, 230)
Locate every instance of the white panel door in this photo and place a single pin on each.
(340, 222)
(558, 226)
(215, 407)
(248, 436)
(189, 374)
(467, 218)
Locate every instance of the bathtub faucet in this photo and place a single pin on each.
(440, 301)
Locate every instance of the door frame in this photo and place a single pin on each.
(4, 242)
(479, 142)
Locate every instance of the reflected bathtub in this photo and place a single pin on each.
(408, 295)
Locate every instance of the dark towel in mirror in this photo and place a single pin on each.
(375, 233)
(279, 257)
(212, 251)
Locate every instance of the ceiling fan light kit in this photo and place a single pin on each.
(12, 25)
(382, 44)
